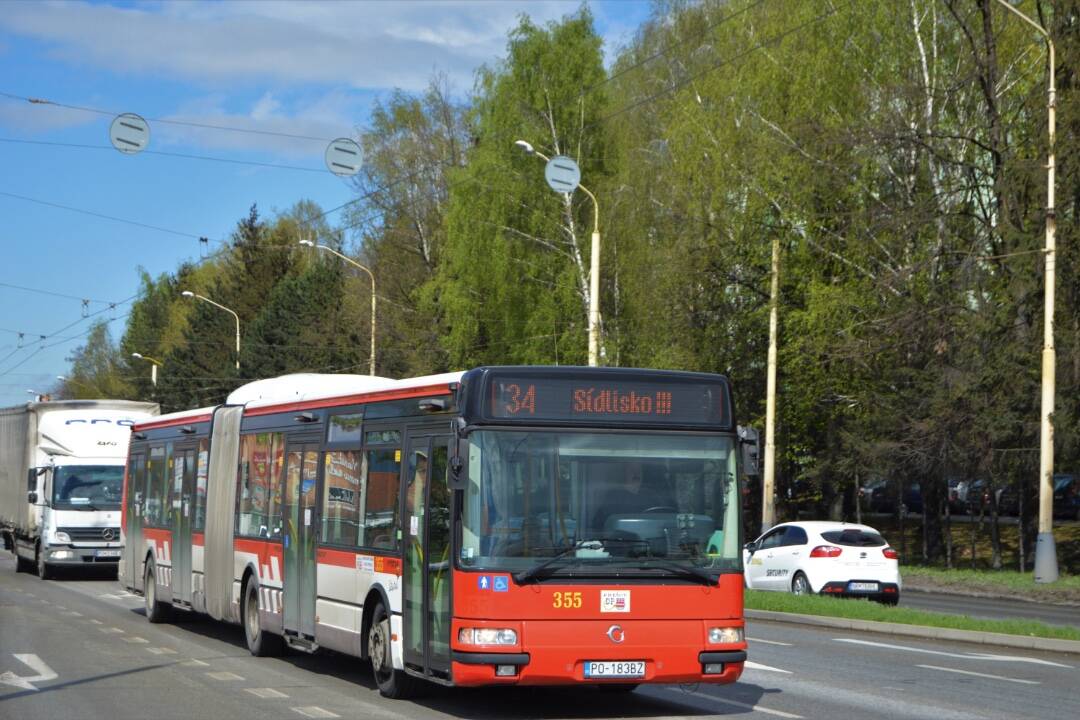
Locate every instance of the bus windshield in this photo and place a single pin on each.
(586, 503)
(87, 487)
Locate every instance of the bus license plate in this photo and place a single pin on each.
(615, 669)
(108, 553)
(863, 587)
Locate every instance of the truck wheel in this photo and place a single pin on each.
(392, 683)
(43, 570)
(259, 642)
(156, 612)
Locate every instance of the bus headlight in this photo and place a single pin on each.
(63, 537)
(487, 636)
(722, 635)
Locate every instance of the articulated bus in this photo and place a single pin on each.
(505, 525)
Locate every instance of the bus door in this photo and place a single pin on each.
(133, 540)
(184, 490)
(298, 537)
(426, 575)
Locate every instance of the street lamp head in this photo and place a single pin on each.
(61, 378)
(307, 243)
(188, 294)
(526, 147)
(137, 356)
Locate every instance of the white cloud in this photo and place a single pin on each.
(356, 44)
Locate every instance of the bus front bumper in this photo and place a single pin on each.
(556, 653)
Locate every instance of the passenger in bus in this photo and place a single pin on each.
(634, 494)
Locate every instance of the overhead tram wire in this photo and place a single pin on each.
(722, 63)
(671, 46)
(163, 153)
(98, 215)
(50, 292)
(184, 123)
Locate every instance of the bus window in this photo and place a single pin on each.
(202, 468)
(381, 484)
(341, 499)
(259, 485)
(154, 510)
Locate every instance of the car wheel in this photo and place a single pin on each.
(43, 570)
(156, 612)
(800, 585)
(259, 642)
(392, 683)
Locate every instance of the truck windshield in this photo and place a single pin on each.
(557, 503)
(87, 487)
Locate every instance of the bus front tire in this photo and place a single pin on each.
(156, 612)
(392, 683)
(259, 642)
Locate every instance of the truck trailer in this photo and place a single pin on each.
(61, 478)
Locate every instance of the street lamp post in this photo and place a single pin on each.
(1046, 567)
(594, 263)
(189, 294)
(332, 251)
(154, 364)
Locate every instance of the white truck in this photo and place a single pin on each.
(61, 477)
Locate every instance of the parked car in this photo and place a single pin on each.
(1066, 497)
(827, 558)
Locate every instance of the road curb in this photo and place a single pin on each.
(922, 631)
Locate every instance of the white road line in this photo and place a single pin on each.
(742, 705)
(161, 651)
(757, 666)
(96, 622)
(769, 642)
(73, 613)
(314, 711)
(224, 676)
(979, 674)
(266, 693)
(113, 630)
(61, 607)
(962, 656)
(135, 640)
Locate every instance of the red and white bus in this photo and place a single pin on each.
(506, 525)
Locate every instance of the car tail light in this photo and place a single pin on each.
(890, 553)
(826, 551)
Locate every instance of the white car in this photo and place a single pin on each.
(827, 558)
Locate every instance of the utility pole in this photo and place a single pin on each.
(1046, 566)
(768, 476)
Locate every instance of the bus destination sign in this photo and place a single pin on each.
(571, 399)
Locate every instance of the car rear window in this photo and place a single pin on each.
(854, 538)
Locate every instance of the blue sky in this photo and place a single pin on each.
(311, 69)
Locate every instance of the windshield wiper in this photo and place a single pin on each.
(536, 570)
(689, 571)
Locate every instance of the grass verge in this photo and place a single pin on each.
(863, 610)
(992, 582)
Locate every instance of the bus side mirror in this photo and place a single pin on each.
(748, 451)
(32, 497)
(456, 479)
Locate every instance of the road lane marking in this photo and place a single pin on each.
(135, 640)
(769, 642)
(962, 656)
(96, 622)
(73, 613)
(757, 666)
(61, 607)
(979, 674)
(224, 676)
(44, 672)
(195, 663)
(113, 630)
(736, 703)
(161, 651)
(266, 693)
(314, 711)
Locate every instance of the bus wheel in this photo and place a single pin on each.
(259, 642)
(392, 683)
(43, 570)
(156, 612)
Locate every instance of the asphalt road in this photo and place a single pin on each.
(81, 648)
(992, 608)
